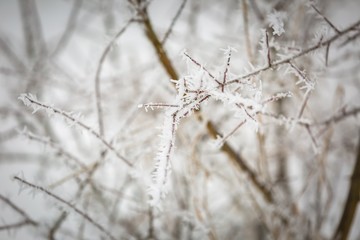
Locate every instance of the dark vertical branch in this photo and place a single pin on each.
(353, 198)
(159, 48)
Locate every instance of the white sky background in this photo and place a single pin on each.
(133, 76)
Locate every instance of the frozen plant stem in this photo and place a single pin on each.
(26, 98)
(300, 54)
(66, 203)
(230, 152)
(174, 20)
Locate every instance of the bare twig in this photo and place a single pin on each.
(98, 73)
(226, 71)
(18, 210)
(326, 19)
(68, 204)
(174, 20)
(268, 56)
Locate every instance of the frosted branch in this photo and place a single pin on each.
(31, 101)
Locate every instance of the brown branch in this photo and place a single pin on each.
(56, 226)
(153, 38)
(353, 198)
(226, 148)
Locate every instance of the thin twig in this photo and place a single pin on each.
(226, 71)
(174, 20)
(80, 124)
(28, 220)
(295, 56)
(268, 48)
(70, 205)
(55, 146)
(98, 73)
(326, 19)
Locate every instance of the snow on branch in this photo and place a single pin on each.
(276, 22)
(192, 91)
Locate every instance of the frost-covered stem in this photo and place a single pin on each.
(301, 122)
(277, 97)
(80, 124)
(232, 154)
(68, 204)
(177, 15)
(162, 166)
(308, 90)
(98, 73)
(226, 71)
(200, 66)
(295, 56)
(54, 146)
(326, 19)
(157, 105)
